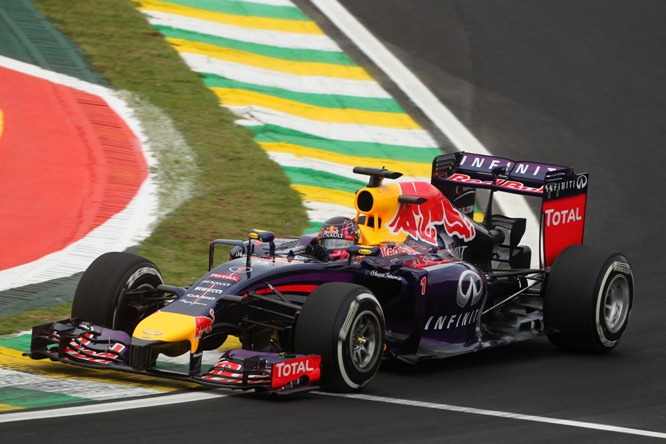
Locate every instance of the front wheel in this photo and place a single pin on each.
(98, 298)
(588, 298)
(343, 323)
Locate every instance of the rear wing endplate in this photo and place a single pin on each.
(563, 192)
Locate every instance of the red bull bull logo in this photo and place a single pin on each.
(203, 324)
(420, 221)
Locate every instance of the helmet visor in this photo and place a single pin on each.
(336, 243)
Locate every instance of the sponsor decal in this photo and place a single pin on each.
(524, 169)
(450, 322)
(332, 232)
(581, 182)
(216, 283)
(203, 324)
(397, 249)
(288, 371)
(621, 267)
(209, 290)
(199, 296)
(375, 273)
(564, 222)
(152, 332)
(187, 301)
(569, 187)
(228, 277)
(421, 221)
(232, 274)
(470, 288)
(565, 216)
(502, 183)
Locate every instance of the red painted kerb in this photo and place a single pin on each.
(68, 163)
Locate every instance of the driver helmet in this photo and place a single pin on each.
(337, 234)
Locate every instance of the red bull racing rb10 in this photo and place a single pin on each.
(413, 276)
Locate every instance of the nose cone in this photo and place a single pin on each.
(169, 327)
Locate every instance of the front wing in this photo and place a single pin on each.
(93, 346)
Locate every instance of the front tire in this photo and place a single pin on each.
(588, 299)
(98, 298)
(343, 323)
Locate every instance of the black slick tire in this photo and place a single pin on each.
(98, 296)
(588, 299)
(343, 323)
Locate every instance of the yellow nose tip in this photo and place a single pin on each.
(168, 327)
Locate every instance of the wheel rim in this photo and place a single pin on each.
(141, 279)
(616, 303)
(364, 345)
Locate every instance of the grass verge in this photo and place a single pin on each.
(237, 187)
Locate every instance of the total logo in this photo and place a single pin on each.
(290, 368)
(566, 216)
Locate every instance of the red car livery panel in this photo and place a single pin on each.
(420, 221)
(563, 216)
(289, 371)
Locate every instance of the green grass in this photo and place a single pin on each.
(26, 320)
(237, 186)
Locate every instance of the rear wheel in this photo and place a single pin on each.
(588, 298)
(343, 323)
(101, 295)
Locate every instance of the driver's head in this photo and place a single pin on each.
(337, 234)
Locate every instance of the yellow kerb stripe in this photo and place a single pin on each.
(6, 407)
(271, 24)
(414, 169)
(325, 195)
(14, 360)
(270, 63)
(239, 97)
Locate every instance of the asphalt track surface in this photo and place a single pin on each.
(557, 81)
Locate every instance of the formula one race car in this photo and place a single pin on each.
(423, 280)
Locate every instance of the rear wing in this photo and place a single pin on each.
(563, 193)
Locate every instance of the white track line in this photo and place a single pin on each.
(84, 389)
(424, 99)
(500, 414)
(90, 409)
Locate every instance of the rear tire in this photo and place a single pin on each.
(588, 299)
(98, 296)
(343, 323)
